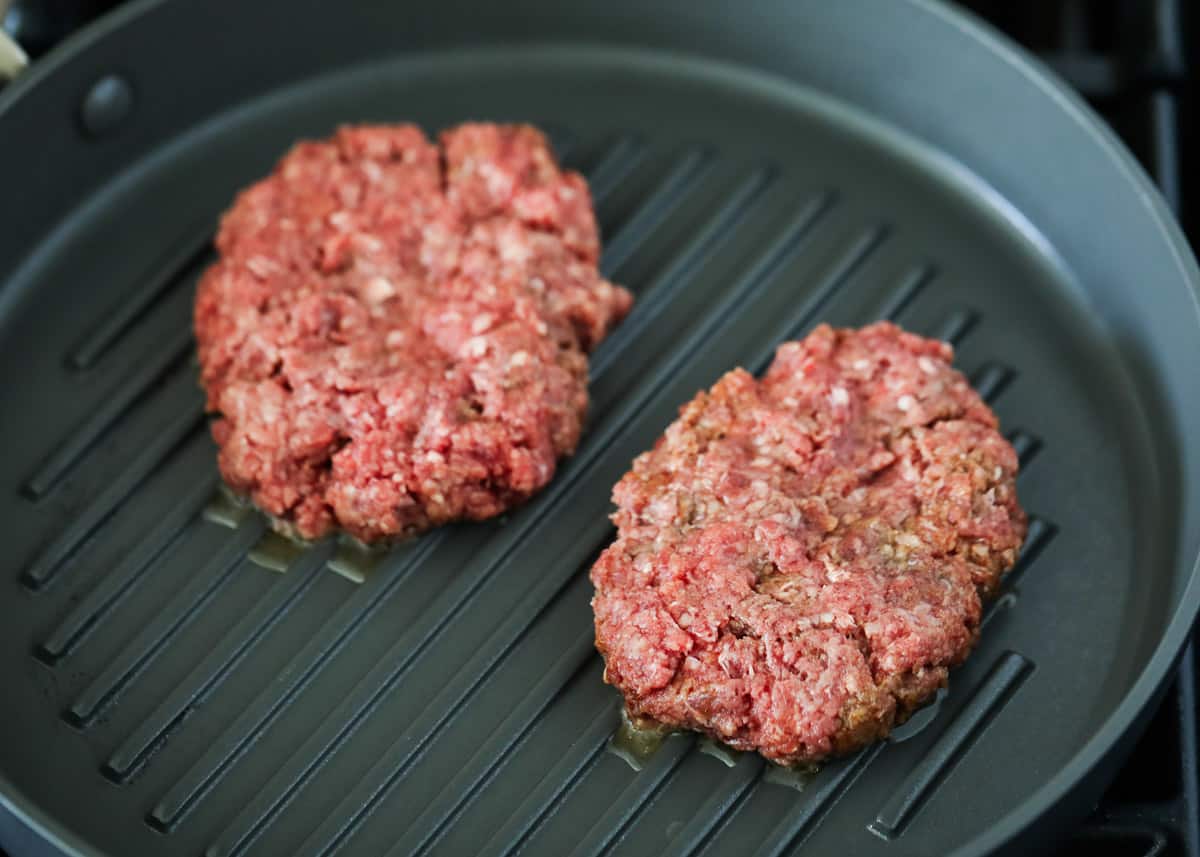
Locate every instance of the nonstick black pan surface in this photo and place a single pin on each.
(758, 167)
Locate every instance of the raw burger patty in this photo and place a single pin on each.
(395, 333)
(801, 559)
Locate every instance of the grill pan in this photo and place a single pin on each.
(758, 168)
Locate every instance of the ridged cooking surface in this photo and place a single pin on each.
(453, 702)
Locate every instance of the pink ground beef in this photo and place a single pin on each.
(801, 559)
(396, 332)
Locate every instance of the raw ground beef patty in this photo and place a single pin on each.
(801, 559)
(395, 333)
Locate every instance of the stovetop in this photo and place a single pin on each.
(1135, 61)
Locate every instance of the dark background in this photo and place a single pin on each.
(1136, 62)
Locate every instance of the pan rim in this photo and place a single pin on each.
(1161, 662)
(1166, 654)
